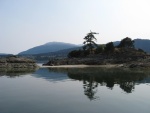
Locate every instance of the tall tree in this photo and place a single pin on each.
(89, 42)
(127, 43)
(109, 47)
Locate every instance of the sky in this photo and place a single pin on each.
(28, 23)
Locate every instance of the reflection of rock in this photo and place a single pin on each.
(16, 72)
(17, 62)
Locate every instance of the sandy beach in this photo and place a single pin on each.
(83, 66)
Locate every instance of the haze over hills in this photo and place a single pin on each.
(48, 47)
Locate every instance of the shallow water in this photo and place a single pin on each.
(86, 90)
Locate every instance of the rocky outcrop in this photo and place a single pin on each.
(17, 62)
(75, 61)
(130, 57)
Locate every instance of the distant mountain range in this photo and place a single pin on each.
(60, 50)
(5, 54)
(57, 49)
(142, 44)
(48, 47)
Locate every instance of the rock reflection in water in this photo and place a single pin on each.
(16, 72)
(93, 77)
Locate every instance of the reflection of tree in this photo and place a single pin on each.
(90, 88)
(127, 86)
(91, 77)
(125, 78)
(109, 81)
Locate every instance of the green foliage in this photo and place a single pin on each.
(126, 43)
(89, 42)
(141, 50)
(78, 53)
(75, 53)
(85, 53)
(99, 49)
(109, 47)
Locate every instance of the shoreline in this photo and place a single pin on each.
(84, 66)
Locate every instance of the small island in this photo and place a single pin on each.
(16, 62)
(122, 55)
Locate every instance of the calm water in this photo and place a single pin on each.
(87, 90)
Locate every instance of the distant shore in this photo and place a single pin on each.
(84, 66)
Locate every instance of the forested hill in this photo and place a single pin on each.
(142, 44)
(48, 47)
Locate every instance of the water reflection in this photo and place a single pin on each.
(51, 75)
(93, 77)
(73, 90)
(90, 89)
(17, 72)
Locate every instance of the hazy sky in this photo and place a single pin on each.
(28, 23)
